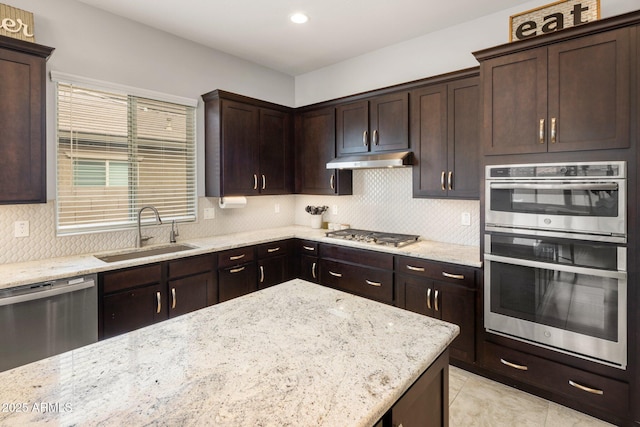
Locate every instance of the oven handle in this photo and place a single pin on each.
(557, 267)
(595, 186)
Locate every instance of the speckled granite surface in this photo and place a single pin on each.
(57, 268)
(296, 354)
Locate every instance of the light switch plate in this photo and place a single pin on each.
(209, 213)
(465, 218)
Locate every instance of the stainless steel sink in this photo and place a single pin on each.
(142, 253)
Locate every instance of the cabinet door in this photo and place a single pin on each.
(315, 147)
(189, 293)
(309, 268)
(463, 148)
(236, 281)
(589, 92)
(352, 128)
(22, 123)
(133, 309)
(429, 140)
(456, 304)
(272, 271)
(417, 295)
(239, 149)
(276, 155)
(515, 103)
(389, 122)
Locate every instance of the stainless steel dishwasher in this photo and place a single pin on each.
(45, 319)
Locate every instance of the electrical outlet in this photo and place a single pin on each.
(334, 210)
(465, 219)
(277, 208)
(209, 213)
(21, 229)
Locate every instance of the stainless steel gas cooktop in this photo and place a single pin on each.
(375, 237)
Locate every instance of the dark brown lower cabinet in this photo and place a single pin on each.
(426, 403)
(307, 260)
(274, 261)
(574, 385)
(236, 281)
(135, 297)
(368, 282)
(133, 309)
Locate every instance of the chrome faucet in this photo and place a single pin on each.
(145, 238)
(174, 232)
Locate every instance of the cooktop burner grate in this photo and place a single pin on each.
(375, 237)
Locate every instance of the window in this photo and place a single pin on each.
(117, 153)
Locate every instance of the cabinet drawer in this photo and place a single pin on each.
(581, 386)
(193, 265)
(367, 282)
(119, 280)
(235, 256)
(357, 256)
(308, 247)
(273, 249)
(442, 272)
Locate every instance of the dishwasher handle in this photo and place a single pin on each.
(40, 293)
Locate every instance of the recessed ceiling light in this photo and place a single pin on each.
(299, 18)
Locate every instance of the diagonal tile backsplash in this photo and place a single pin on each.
(381, 201)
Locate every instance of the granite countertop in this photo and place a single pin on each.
(23, 273)
(294, 354)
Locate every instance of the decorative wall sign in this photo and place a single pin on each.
(553, 17)
(16, 23)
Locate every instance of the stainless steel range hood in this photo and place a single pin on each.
(369, 161)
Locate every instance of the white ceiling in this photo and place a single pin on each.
(260, 31)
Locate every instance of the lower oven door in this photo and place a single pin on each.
(540, 290)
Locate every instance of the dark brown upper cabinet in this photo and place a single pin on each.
(315, 147)
(23, 140)
(248, 146)
(563, 96)
(374, 125)
(445, 138)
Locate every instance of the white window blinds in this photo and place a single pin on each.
(117, 153)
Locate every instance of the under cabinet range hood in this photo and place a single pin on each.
(369, 161)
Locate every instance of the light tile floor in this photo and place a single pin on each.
(477, 401)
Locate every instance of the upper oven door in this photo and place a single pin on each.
(593, 208)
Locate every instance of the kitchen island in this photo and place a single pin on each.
(294, 354)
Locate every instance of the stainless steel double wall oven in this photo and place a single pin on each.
(556, 257)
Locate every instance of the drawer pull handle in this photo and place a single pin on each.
(541, 132)
(313, 270)
(450, 180)
(442, 181)
(255, 181)
(332, 181)
(308, 248)
(237, 270)
(335, 274)
(435, 300)
(365, 138)
(158, 302)
(429, 298)
(173, 298)
(264, 182)
(261, 274)
(514, 366)
(369, 282)
(553, 130)
(412, 268)
(272, 250)
(236, 257)
(453, 276)
(585, 388)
